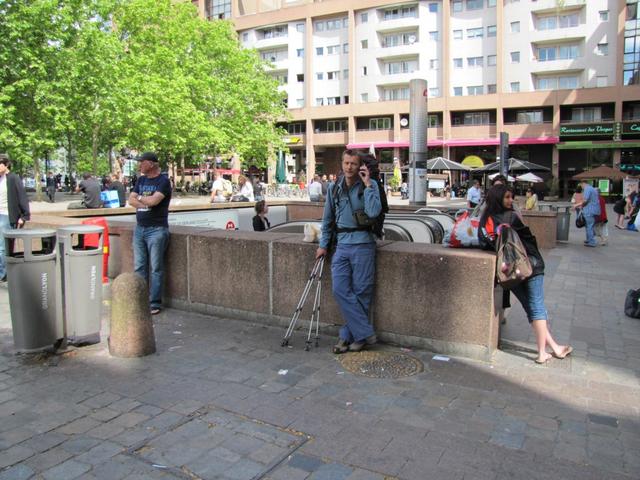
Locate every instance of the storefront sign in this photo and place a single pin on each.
(603, 186)
(591, 145)
(629, 185)
(292, 140)
(631, 128)
(600, 129)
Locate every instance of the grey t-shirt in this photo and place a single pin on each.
(91, 190)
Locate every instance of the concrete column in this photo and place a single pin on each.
(555, 163)
(616, 157)
(352, 128)
(308, 68)
(500, 34)
(310, 151)
(396, 127)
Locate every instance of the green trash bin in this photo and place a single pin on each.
(31, 270)
(81, 282)
(564, 222)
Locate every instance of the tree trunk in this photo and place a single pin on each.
(94, 150)
(110, 159)
(182, 167)
(36, 174)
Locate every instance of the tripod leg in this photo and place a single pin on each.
(314, 314)
(319, 295)
(300, 306)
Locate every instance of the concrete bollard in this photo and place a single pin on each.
(131, 326)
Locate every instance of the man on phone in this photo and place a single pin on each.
(350, 207)
(14, 206)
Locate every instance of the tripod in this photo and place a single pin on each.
(316, 272)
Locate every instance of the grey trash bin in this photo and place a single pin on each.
(31, 269)
(81, 287)
(564, 222)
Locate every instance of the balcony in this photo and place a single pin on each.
(396, 23)
(400, 79)
(474, 131)
(265, 43)
(331, 138)
(529, 130)
(433, 133)
(370, 136)
(399, 51)
(552, 6)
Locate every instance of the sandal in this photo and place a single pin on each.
(567, 351)
(340, 347)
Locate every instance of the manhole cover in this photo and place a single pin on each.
(381, 364)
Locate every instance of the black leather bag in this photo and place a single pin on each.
(632, 304)
(580, 221)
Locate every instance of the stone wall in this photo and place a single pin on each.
(426, 295)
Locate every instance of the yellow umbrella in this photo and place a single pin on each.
(473, 161)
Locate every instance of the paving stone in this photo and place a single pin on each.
(48, 459)
(17, 472)
(288, 473)
(244, 469)
(66, 471)
(79, 444)
(82, 425)
(331, 471)
(14, 455)
(100, 453)
(304, 462)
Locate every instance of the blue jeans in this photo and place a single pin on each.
(149, 245)
(530, 293)
(4, 225)
(590, 221)
(353, 270)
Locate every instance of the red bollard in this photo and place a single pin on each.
(93, 241)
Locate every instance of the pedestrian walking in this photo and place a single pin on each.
(51, 187)
(590, 209)
(474, 195)
(350, 205)
(14, 206)
(151, 197)
(530, 292)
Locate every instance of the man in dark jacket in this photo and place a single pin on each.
(117, 185)
(14, 206)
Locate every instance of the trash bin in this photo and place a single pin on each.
(564, 222)
(81, 286)
(31, 269)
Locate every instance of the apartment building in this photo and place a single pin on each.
(561, 77)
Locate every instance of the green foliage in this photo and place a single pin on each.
(394, 182)
(91, 75)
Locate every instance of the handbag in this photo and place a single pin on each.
(580, 221)
(632, 304)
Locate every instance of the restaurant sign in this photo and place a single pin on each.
(631, 128)
(584, 130)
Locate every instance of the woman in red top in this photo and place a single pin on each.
(602, 230)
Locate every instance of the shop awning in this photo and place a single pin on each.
(590, 145)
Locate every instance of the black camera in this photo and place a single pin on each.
(362, 219)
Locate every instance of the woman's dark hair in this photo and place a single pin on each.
(493, 202)
(260, 206)
(579, 189)
(499, 178)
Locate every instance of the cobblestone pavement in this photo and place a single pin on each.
(216, 402)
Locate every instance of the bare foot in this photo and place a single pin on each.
(543, 358)
(563, 351)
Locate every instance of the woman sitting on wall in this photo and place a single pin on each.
(260, 221)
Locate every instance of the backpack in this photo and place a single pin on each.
(512, 263)
(376, 225)
(632, 304)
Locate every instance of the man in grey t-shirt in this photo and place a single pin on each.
(91, 189)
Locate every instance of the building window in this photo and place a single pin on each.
(300, 102)
(457, 91)
(492, 31)
(364, 71)
(345, 74)
(631, 68)
(515, 87)
(333, 75)
(274, 55)
(492, 60)
(364, 44)
(346, 100)
(433, 36)
(558, 21)
(245, 37)
(546, 54)
(333, 100)
(554, 83)
(433, 64)
(220, 9)
(333, 49)
(400, 12)
(586, 114)
(398, 93)
(300, 77)
(345, 48)
(281, 78)
(491, 3)
(529, 116)
(475, 32)
(561, 52)
(602, 81)
(403, 66)
(491, 88)
(473, 62)
(364, 17)
(319, 101)
(457, 63)
(433, 7)
(319, 50)
(300, 27)
(604, 15)
(474, 4)
(457, 34)
(476, 118)
(274, 32)
(383, 123)
(515, 57)
(300, 52)
(364, 97)
(320, 26)
(434, 92)
(603, 49)
(475, 90)
(456, 6)
(319, 76)
(515, 27)
(337, 125)
(397, 39)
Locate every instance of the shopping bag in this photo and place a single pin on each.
(110, 199)
(580, 221)
(464, 232)
(632, 304)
